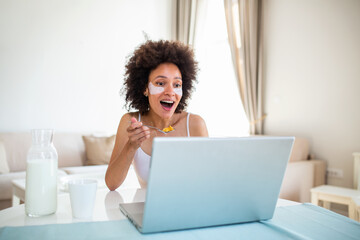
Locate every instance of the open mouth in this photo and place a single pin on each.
(167, 104)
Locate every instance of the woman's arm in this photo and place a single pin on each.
(129, 137)
(197, 126)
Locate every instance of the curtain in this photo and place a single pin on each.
(187, 20)
(243, 19)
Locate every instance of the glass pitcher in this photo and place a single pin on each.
(41, 175)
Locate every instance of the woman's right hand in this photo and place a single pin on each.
(137, 133)
(128, 139)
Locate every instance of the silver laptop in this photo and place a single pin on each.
(201, 182)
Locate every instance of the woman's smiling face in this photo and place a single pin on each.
(164, 89)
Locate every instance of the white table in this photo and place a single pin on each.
(106, 208)
(327, 194)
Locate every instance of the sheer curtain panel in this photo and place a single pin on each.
(186, 19)
(243, 19)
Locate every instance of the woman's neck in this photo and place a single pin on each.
(152, 119)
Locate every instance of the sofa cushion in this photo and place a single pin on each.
(300, 150)
(98, 149)
(4, 167)
(70, 148)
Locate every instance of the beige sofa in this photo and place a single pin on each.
(303, 173)
(75, 152)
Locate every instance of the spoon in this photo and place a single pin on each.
(162, 131)
(169, 129)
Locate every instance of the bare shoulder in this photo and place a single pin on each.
(126, 118)
(125, 123)
(197, 126)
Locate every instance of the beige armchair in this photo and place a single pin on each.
(302, 173)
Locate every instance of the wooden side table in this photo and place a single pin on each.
(356, 202)
(327, 194)
(18, 187)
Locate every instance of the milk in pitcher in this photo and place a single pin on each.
(41, 187)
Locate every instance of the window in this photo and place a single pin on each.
(217, 97)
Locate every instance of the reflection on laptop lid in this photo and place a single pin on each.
(201, 182)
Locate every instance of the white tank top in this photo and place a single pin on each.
(142, 160)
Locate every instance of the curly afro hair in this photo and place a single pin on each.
(145, 59)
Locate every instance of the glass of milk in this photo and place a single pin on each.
(41, 175)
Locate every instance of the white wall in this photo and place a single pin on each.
(62, 61)
(312, 74)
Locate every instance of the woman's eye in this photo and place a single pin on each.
(160, 84)
(177, 85)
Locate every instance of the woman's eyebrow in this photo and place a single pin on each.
(161, 76)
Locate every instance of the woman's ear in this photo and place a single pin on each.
(146, 93)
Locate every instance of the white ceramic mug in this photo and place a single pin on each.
(82, 197)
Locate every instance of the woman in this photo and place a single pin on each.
(159, 79)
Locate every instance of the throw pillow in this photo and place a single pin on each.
(4, 167)
(98, 149)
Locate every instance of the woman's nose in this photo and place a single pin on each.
(169, 90)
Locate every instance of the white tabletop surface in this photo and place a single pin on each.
(334, 190)
(106, 209)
